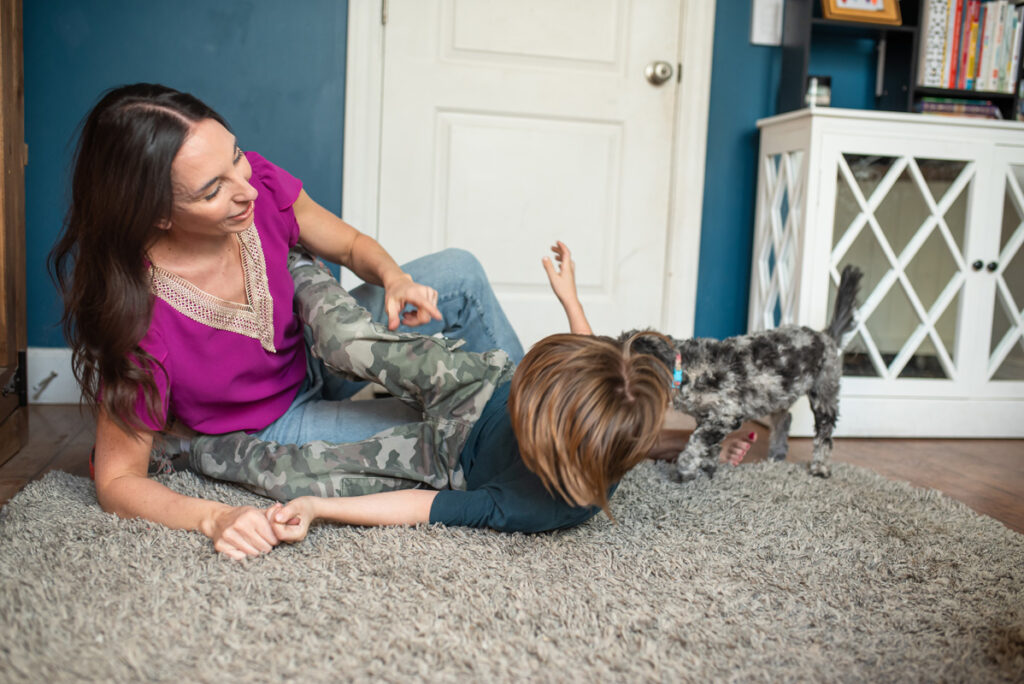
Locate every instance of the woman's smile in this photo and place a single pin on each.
(245, 215)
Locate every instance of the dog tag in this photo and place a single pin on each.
(677, 373)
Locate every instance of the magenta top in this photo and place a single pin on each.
(228, 366)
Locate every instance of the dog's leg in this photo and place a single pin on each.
(701, 452)
(779, 446)
(825, 407)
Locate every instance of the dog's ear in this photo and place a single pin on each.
(651, 342)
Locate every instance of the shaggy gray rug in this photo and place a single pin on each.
(762, 573)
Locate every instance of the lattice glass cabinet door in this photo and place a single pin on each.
(902, 219)
(1006, 342)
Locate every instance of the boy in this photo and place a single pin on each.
(533, 448)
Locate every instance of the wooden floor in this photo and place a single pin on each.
(987, 475)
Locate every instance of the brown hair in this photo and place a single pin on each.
(120, 192)
(585, 410)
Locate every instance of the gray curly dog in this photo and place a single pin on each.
(740, 378)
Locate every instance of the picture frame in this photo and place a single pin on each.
(863, 11)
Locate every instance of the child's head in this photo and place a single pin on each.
(585, 410)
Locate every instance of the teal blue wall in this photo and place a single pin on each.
(744, 82)
(276, 71)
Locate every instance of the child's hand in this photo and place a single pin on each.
(563, 282)
(290, 522)
(562, 278)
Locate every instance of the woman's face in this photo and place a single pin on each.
(210, 177)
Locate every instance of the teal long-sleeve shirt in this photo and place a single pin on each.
(501, 492)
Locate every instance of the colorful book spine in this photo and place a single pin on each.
(989, 74)
(977, 49)
(985, 79)
(932, 47)
(1000, 75)
(949, 67)
(971, 47)
(974, 45)
(1013, 68)
(986, 111)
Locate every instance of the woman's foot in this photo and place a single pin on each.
(671, 442)
(735, 448)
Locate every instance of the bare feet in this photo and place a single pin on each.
(671, 442)
(735, 448)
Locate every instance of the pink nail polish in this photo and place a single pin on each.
(751, 435)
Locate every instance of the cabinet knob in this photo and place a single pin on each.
(978, 265)
(992, 266)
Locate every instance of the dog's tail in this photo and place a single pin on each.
(846, 302)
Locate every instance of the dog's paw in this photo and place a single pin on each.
(710, 467)
(819, 469)
(683, 473)
(778, 454)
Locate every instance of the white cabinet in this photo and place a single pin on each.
(932, 210)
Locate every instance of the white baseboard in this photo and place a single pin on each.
(919, 418)
(50, 380)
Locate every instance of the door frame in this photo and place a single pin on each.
(13, 157)
(364, 86)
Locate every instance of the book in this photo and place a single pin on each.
(932, 45)
(989, 74)
(969, 17)
(956, 100)
(952, 43)
(977, 48)
(971, 35)
(1013, 68)
(984, 45)
(979, 111)
(1001, 70)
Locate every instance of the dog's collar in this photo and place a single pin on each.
(677, 372)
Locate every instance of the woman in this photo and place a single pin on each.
(178, 301)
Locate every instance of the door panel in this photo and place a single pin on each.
(507, 126)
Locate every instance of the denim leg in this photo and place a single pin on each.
(470, 309)
(338, 421)
(450, 387)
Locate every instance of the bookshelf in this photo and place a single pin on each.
(896, 76)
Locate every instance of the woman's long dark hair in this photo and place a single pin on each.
(121, 192)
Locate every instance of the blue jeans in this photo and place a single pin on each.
(321, 410)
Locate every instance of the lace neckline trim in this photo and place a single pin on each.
(254, 319)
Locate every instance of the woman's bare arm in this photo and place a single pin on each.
(123, 487)
(327, 236)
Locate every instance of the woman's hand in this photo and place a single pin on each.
(402, 292)
(240, 531)
(291, 522)
(327, 236)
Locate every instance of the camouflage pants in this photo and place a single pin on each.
(449, 387)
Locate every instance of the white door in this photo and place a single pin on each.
(509, 125)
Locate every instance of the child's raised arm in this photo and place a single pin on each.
(563, 282)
